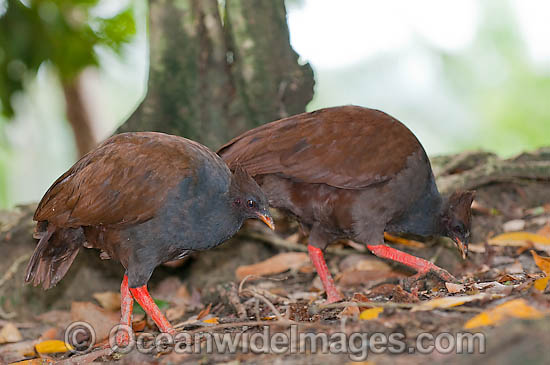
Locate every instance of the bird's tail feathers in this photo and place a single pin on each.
(53, 255)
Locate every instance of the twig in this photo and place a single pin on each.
(230, 291)
(280, 242)
(282, 322)
(86, 358)
(392, 305)
(13, 268)
(259, 296)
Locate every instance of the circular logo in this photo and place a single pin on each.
(80, 336)
(122, 339)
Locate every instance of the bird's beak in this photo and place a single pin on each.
(462, 247)
(266, 218)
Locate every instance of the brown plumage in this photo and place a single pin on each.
(351, 172)
(143, 199)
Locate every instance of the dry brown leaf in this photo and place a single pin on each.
(100, 319)
(358, 297)
(349, 311)
(507, 277)
(454, 288)
(56, 317)
(517, 308)
(372, 265)
(203, 313)
(542, 262)
(52, 333)
(175, 313)
(515, 268)
(476, 247)
(514, 225)
(10, 333)
(545, 230)
(109, 300)
(138, 326)
(274, 265)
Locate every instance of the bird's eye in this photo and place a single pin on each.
(251, 203)
(459, 228)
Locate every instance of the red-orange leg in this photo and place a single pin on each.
(422, 266)
(141, 295)
(126, 307)
(318, 260)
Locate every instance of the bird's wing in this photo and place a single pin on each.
(123, 181)
(346, 147)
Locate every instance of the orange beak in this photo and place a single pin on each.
(266, 218)
(461, 247)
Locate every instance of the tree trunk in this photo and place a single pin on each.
(216, 72)
(78, 117)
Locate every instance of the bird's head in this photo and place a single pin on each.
(249, 198)
(456, 219)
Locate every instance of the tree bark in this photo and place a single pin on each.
(78, 117)
(216, 72)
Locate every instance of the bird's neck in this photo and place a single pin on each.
(423, 218)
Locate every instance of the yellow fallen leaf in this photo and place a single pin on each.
(213, 320)
(517, 308)
(403, 241)
(519, 239)
(448, 302)
(542, 262)
(371, 313)
(541, 284)
(274, 265)
(52, 347)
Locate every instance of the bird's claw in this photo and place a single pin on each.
(412, 282)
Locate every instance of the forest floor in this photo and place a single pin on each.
(261, 293)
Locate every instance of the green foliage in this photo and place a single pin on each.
(63, 33)
(499, 83)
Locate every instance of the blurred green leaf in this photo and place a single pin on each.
(63, 33)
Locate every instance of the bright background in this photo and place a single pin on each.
(461, 74)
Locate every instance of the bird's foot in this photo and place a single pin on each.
(334, 296)
(122, 339)
(416, 282)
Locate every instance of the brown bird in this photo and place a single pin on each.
(352, 172)
(143, 199)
